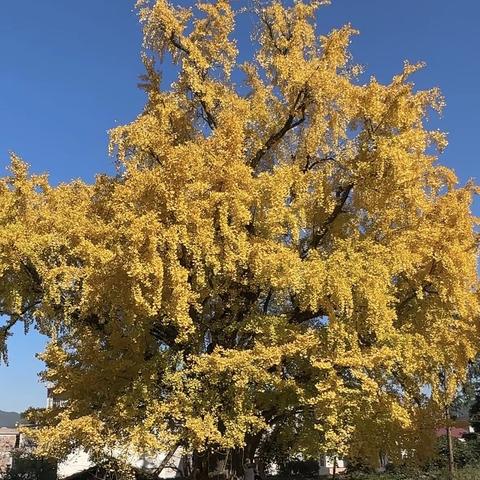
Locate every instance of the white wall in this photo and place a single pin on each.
(326, 464)
(79, 461)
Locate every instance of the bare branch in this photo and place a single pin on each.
(309, 166)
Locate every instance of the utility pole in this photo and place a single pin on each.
(451, 458)
(334, 473)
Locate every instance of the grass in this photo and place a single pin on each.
(463, 474)
(468, 473)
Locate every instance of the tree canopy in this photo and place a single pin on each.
(280, 259)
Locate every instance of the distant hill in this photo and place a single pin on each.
(9, 419)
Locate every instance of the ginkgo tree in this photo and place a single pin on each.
(280, 259)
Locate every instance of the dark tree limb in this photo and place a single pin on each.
(5, 329)
(320, 232)
(309, 165)
(267, 301)
(426, 288)
(9, 324)
(164, 462)
(269, 27)
(208, 116)
(299, 316)
(290, 123)
(400, 380)
(15, 317)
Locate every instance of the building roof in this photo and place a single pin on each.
(456, 432)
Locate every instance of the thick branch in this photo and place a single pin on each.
(398, 377)
(164, 333)
(275, 137)
(319, 233)
(298, 316)
(267, 301)
(14, 317)
(5, 329)
(178, 44)
(209, 118)
(11, 322)
(164, 462)
(34, 276)
(426, 288)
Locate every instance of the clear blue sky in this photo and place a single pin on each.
(69, 71)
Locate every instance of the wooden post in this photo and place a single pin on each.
(451, 457)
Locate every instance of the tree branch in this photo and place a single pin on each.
(398, 377)
(11, 322)
(275, 138)
(426, 288)
(269, 27)
(298, 316)
(164, 462)
(267, 301)
(208, 117)
(309, 166)
(319, 233)
(5, 329)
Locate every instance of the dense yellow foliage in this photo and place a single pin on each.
(281, 261)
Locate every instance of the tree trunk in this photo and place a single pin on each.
(219, 465)
(200, 466)
(233, 464)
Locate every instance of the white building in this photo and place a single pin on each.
(330, 465)
(79, 460)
